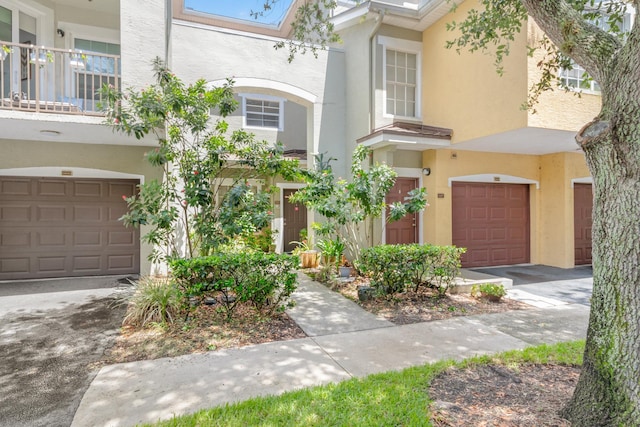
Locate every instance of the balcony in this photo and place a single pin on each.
(48, 80)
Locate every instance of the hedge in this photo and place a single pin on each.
(264, 280)
(393, 268)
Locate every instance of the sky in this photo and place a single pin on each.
(241, 9)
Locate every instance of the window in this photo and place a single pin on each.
(577, 78)
(99, 64)
(97, 71)
(401, 77)
(262, 111)
(401, 69)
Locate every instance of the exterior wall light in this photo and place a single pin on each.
(426, 171)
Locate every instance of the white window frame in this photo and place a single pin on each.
(404, 46)
(262, 97)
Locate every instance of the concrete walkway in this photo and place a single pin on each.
(343, 341)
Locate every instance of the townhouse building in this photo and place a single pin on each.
(510, 185)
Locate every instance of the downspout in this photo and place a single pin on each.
(168, 16)
(372, 85)
(372, 94)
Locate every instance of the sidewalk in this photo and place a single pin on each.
(343, 341)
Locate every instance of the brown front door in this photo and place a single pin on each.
(61, 227)
(295, 219)
(404, 230)
(492, 222)
(582, 210)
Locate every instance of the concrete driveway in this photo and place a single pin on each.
(548, 284)
(52, 334)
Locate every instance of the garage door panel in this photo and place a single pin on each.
(55, 188)
(88, 213)
(116, 212)
(52, 213)
(87, 239)
(88, 189)
(15, 239)
(477, 214)
(120, 262)
(477, 193)
(52, 227)
(498, 234)
(497, 214)
(116, 191)
(51, 237)
(51, 264)
(117, 238)
(502, 236)
(15, 265)
(15, 213)
(16, 187)
(478, 234)
(87, 263)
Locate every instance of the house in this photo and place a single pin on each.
(509, 185)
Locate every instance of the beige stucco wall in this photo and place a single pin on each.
(556, 215)
(551, 206)
(557, 109)
(107, 158)
(463, 91)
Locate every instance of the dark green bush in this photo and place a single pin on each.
(393, 268)
(264, 280)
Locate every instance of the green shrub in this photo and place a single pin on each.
(155, 300)
(492, 291)
(264, 280)
(392, 268)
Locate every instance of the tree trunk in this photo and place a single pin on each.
(608, 391)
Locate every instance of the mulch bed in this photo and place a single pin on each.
(496, 395)
(424, 305)
(207, 329)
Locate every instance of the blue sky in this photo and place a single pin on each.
(240, 9)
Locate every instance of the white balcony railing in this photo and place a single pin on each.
(41, 79)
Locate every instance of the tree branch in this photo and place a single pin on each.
(586, 44)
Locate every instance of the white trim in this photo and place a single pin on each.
(278, 223)
(56, 172)
(406, 46)
(87, 32)
(406, 173)
(273, 85)
(494, 178)
(402, 45)
(584, 180)
(261, 97)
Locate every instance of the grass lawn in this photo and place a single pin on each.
(389, 399)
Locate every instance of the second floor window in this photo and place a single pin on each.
(401, 79)
(576, 77)
(262, 111)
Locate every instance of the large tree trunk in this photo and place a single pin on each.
(608, 391)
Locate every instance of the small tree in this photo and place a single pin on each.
(205, 198)
(350, 206)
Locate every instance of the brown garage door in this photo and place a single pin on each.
(57, 227)
(582, 209)
(492, 222)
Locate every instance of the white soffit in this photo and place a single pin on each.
(534, 141)
(18, 125)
